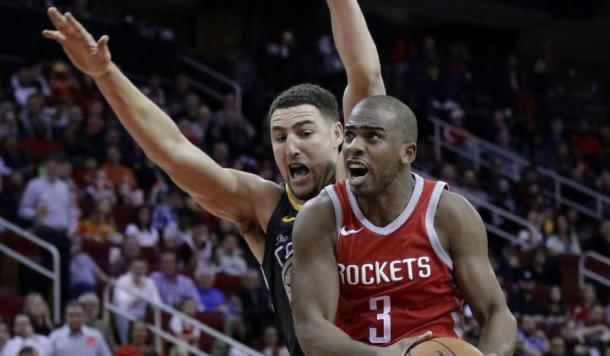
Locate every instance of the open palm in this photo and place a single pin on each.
(89, 56)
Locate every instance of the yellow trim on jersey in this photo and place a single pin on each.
(293, 201)
(288, 219)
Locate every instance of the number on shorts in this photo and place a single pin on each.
(384, 315)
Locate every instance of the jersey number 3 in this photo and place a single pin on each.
(382, 306)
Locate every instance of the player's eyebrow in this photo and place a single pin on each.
(294, 126)
(364, 127)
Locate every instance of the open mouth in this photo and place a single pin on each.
(298, 172)
(357, 171)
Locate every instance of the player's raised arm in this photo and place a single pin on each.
(357, 51)
(224, 192)
(458, 220)
(315, 284)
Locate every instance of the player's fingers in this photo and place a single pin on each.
(54, 35)
(102, 44)
(58, 20)
(77, 28)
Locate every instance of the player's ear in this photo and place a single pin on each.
(337, 134)
(409, 152)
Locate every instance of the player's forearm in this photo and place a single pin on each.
(354, 43)
(499, 334)
(150, 127)
(324, 338)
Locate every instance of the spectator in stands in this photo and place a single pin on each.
(183, 329)
(27, 82)
(564, 241)
(38, 310)
(231, 257)
(178, 235)
(119, 259)
(165, 210)
(173, 286)
(28, 351)
(154, 90)
(212, 299)
(557, 347)
(100, 226)
(555, 309)
(84, 272)
(91, 306)
(36, 119)
(25, 336)
(542, 269)
(272, 343)
(75, 338)
(588, 299)
(115, 170)
(5, 335)
(48, 204)
(523, 300)
(142, 287)
(140, 342)
(254, 301)
(534, 340)
(595, 330)
(142, 229)
(203, 247)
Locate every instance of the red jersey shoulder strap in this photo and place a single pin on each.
(338, 197)
(437, 246)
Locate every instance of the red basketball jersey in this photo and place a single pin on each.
(396, 281)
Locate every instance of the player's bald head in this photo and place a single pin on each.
(390, 112)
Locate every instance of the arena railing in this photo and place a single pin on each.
(217, 76)
(54, 273)
(603, 262)
(483, 153)
(523, 224)
(156, 326)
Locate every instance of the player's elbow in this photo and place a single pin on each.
(307, 334)
(366, 77)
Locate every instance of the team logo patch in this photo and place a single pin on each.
(286, 278)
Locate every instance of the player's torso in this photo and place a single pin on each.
(395, 281)
(277, 264)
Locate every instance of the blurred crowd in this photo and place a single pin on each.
(71, 174)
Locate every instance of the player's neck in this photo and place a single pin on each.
(383, 208)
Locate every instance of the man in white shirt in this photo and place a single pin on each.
(25, 336)
(141, 286)
(75, 338)
(48, 203)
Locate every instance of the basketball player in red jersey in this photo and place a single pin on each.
(388, 255)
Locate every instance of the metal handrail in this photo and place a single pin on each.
(479, 145)
(219, 77)
(54, 274)
(160, 307)
(584, 272)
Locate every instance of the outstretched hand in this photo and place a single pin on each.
(89, 56)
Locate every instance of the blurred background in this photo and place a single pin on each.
(513, 104)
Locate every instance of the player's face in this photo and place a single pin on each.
(305, 147)
(374, 152)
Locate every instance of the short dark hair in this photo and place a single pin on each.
(311, 94)
(27, 351)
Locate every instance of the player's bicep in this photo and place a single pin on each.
(222, 191)
(315, 279)
(472, 269)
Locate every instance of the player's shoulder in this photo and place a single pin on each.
(454, 210)
(317, 212)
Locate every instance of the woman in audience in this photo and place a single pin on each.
(140, 342)
(142, 229)
(100, 226)
(38, 310)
